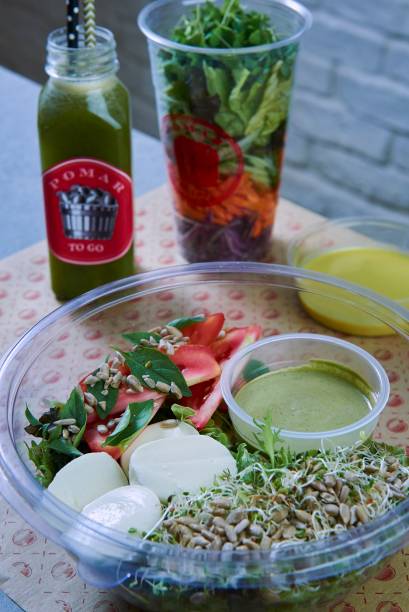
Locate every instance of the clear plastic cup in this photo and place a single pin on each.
(222, 116)
(289, 350)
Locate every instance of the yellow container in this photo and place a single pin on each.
(371, 253)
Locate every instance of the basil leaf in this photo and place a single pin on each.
(162, 369)
(110, 398)
(185, 321)
(64, 447)
(136, 417)
(74, 409)
(253, 369)
(183, 413)
(136, 337)
(31, 418)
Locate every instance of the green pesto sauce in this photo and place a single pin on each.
(318, 396)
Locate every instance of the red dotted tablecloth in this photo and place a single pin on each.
(40, 576)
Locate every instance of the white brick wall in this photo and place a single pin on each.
(348, 143)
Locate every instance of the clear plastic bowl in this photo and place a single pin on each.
(290, 350)
(347, 237)
(168, 578)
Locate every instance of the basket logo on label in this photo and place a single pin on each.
(204, 163)
(88, 207)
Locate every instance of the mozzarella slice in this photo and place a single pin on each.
(85, 478)
(124, 508)
(170, 428)
(175, 465)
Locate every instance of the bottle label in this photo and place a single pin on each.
(89, 211)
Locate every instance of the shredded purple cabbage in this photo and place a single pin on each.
(207, 241)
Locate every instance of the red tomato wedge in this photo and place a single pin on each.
(206, 399)
(234, 340)
(205, 332)
(124, 399)
(95, 439)
(196, 363)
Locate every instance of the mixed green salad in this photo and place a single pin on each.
(224, 120)
(147, 432)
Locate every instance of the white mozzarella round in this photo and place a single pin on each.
(124, 508)
(170, 428)
(85, 478)
(175, 465)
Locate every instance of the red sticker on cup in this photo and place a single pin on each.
(204, 163)
(88, 209)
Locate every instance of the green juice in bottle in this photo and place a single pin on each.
(85, 145)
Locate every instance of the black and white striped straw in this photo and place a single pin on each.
(73, 12)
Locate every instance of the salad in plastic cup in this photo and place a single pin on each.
(152, 570)
(223, 77)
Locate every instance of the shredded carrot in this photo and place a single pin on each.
(249, 200)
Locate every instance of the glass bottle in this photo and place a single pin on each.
(85, 144)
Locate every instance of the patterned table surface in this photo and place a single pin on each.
(33, 571)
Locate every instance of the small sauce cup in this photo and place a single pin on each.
(290, 350)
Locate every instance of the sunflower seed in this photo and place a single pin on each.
(91, 380)
(65, 422)
(133, 382)
(219, 521)
(318, 486)
(250, 543)
(241, 526)
(331, 509)
(327, 497)
(170, 349)
(74, 429)
(162, 386)
(116, 380)
(103, 372)
(207, 534)
(175, 390)
(90, 399)
(102, 429)
(230, 533)
(65, 434)
(242, 547)
(344, 513)
(103, 405)
(330, 481)
(149, 381)
(256, 530)
(279, 515)
(235, 516)
(345, 491)
(362, 514)
(174, 331)
(265, 543)
(303, 516)
(216, 544)
(199, 541)
(227, 546)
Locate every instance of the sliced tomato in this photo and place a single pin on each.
(124, 399)
(234, 340)
(206, 399)
(196, 363)
(94, 439)
(205, 332)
